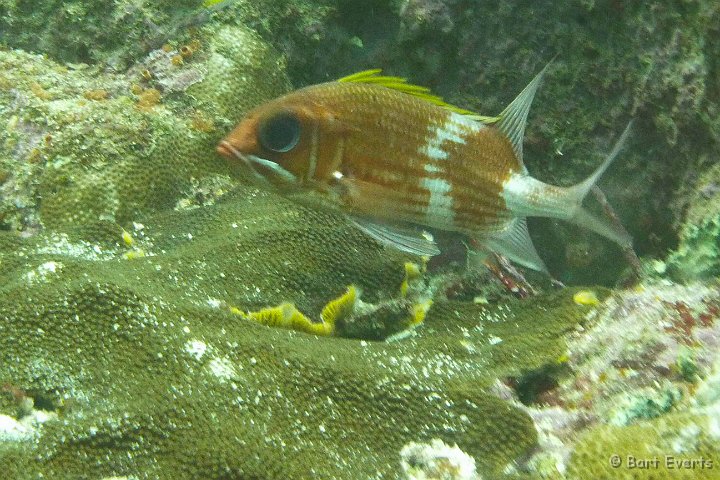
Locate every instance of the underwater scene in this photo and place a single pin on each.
(342, 239)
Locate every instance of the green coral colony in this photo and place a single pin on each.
(161, 319)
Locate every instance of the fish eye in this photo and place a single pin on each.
(280, 133)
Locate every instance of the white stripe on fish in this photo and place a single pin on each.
(440, 209)
(312, 161)
(451, 131)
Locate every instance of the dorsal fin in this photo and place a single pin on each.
(514, 118)
(401, 84)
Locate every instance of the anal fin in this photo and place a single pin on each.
(514, 242)
(403, 238)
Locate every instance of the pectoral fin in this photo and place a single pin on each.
(403, 238)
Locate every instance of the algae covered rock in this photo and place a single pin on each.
(148, 372)
(675, 446)
(83, 147)
(91, 31)
(698, 255)
(642, 399)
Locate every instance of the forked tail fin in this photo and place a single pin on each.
(577, 193)
(581, 189)
(526, 196)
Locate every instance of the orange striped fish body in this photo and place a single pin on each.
(400, 157)
(394, 158)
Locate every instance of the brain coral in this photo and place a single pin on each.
(84, 147)
(151, 375)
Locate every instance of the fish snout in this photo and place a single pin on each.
(230, 151)
(225, 149)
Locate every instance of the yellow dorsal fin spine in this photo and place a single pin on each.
(359, 76)
(401, 84)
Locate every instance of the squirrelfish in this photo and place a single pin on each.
(398, 160)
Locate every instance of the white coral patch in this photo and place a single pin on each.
(436, 460)
(61, 245)
(196, 348)
(687, 440)
(214, 303)
(13, 431)
(49, 267)
(493, 340)
(43, 272)
(713, 427)
(222, 368)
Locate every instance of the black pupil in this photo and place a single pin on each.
(280, 133)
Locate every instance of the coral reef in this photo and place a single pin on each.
(674, 446)
(146, 366)
(643, 387)
(698, 255)
(161, 319)
(436, 460)
(83, 147)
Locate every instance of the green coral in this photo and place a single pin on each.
(698, 256)
(75, 158)
(153, 375)
(643, 404)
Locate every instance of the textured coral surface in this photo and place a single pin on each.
(88, 31)
(147, 368)
(83, 147)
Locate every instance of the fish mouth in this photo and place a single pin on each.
(226, 150)
(260, 168)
